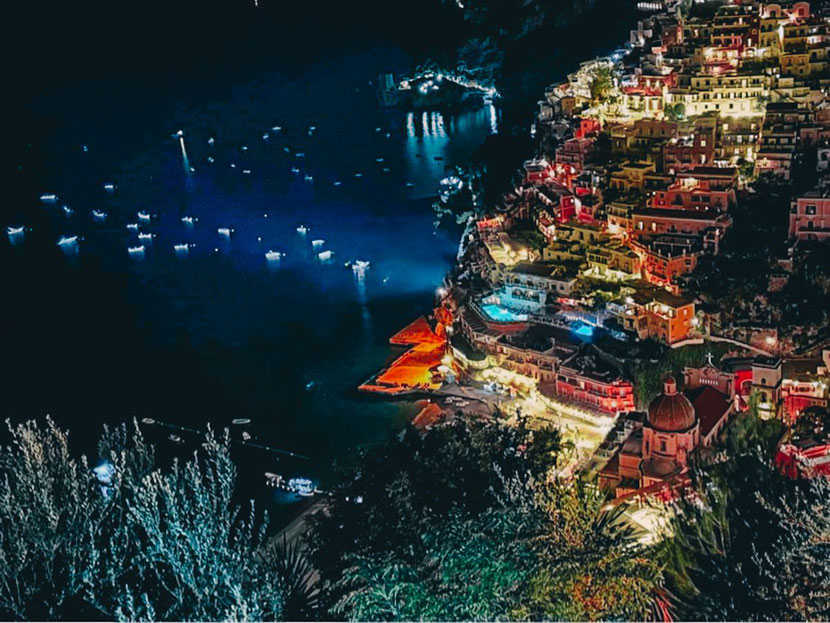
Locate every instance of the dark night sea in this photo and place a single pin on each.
(98, 336)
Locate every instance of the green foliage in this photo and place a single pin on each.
(590, 567)
(813, 423)
(752, 545)
(472, 569)
(144, 544)
(463, 523)
(675, 112)
(552, 552)
(602, 83)
(749, 434)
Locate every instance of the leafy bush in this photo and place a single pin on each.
(129, 542)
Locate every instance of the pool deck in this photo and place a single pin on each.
(413, 371)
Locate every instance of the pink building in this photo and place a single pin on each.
(810, 217)
(693, 194)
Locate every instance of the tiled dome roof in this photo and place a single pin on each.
(671, 411)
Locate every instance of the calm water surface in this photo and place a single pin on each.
(220, 333)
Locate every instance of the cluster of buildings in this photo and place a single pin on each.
(598, 236)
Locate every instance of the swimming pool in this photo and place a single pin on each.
(584, 331)
(501, 314)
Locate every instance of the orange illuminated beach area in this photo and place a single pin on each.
(416, 369)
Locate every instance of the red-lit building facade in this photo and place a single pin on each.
(587, 380)
(667, 257)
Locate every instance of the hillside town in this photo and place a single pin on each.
(661, 265)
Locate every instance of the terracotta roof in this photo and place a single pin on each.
(658, 467)
(671, 411)
(710, 407)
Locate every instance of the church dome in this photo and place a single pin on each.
(671, 411)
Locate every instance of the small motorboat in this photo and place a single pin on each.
(148, 420)
(181, 249)
(145, 236)
(265, 136)
(136, 251)
(311, 128)
(14, 231)
(189, 220)
(302, 230)
(300, 154)
(144, 216)
(64, 241)
(301, 486)
(210, 159)
(246, 171)
(318, 243)
(178, 134)
(410, 185)
(244, 148)
(109, 187)
(378, 159)
(358, 174)
(295, 170)
(273, 256)
(176, 439)
(68, 211)
(49, 198)
(225, 231)
(308, 178)
(386, 169)
(241, 421)
(276, 128)
(325, 255)
(360, 265)
(233, 165)
(132, 226)
(211, 141)
(338, 183)
(286, 150)
(274, 480)
(99, 215)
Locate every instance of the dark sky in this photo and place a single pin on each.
(60, 40)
